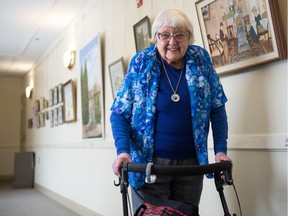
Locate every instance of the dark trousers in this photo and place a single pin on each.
(185, 189)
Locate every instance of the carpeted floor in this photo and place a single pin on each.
(28, 202)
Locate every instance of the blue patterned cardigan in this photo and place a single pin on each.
(136, 102)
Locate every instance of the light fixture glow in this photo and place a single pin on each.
(69, 59)
(28, 92)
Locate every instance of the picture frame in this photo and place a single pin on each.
(142, 33)
(51, 100)
(37, 106)
(42, 119)
(69, 102)
(116, 72)
(51, 117)
(60, 115)
(55, 95)
(55, 116)
(92, 90)
(60, 90)
(241, 34)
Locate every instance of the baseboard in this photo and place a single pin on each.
(79, 209)
(6, 177)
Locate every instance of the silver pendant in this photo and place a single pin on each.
(175, 97)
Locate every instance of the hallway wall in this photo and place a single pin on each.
(10, 123)
(80, 170)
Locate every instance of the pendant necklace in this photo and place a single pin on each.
(174, 97)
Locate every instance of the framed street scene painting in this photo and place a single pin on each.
(241, 33)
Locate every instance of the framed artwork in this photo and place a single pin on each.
(60, 89)
(142, 34)
(92, 90)
(42, 103)
(30, 123)
(241, 33)
(60, 115)
(42, 119)
(46, 115)
(51, 100)
(37, 106)
(51, 117)
(69, 98)
(38, 125)
(55, 95)
(55, 116)
(117, 72)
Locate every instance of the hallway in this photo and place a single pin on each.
(28, 202)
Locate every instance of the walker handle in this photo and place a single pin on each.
(182, 170)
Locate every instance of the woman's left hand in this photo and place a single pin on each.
(220, 156)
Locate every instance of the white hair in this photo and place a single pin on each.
(172, 18)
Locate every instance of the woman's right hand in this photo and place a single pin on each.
(116, 166)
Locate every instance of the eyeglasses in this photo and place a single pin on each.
(165, 37)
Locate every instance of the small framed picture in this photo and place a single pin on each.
(142, 34)
(51, 101)
(37, 106)
(55, 116)
(117, 72)
(51, 117)
(60, 89)
(69, 98)
(60, 115)
(55, 95)
(42, 119)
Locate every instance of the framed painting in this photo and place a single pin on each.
(60, 90)
(92, 90)
(55, 95)
(69, 103)
(51, 117)
(142, 33)
(117, 72)
(55, 116)
(51, 100)
(37, 106)
(241, 33)
(60, 115)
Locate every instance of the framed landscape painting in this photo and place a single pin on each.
(92, 90)
(69, 97)
(142, 33)
(117, 72)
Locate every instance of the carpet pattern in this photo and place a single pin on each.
(29, 202)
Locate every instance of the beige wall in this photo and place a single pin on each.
(80, 170)
(10, 123)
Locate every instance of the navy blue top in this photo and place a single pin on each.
(173, 127)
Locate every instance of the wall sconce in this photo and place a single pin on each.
(28, 91)
(69, 58)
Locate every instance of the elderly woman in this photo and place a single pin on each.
(163, 109)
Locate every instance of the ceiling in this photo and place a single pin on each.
(29, 28)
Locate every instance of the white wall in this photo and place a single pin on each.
(80, 170)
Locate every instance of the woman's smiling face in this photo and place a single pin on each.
(175, 44)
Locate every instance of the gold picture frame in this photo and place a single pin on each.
(69, 101)
(117, 72)
(241, 34)
(142, 33)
